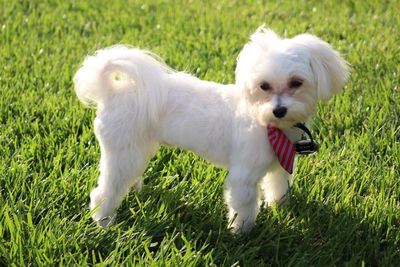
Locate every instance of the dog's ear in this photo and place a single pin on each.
(260, 41)
(330, 69)
(264, 37)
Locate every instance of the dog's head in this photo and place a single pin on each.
(283, 79)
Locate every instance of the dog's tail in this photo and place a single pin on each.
(120, 72)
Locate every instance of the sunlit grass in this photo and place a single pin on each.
(344, 204)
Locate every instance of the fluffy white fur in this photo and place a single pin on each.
(142, 104)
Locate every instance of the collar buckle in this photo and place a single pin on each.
(305, 146)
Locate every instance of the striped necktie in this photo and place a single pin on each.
(283, 148)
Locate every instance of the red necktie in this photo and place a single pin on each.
(283, 148)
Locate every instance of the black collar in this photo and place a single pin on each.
(305, 146)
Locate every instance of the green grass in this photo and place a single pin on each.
(344, 205)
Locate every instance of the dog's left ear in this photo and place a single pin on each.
(330, 69)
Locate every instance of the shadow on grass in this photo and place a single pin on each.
(300, 233)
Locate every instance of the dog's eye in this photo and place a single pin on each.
(265, 86)
(295, 83)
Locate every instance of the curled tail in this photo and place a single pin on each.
(120, 70)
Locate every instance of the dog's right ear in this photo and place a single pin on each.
(252, 52)
(263, 37)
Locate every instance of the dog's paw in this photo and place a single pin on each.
(105, 222)
(240, 226)
(272, 200)
(238, 230)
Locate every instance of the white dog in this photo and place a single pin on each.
(142, 104)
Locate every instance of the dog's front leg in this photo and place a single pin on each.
(275, 185)
(241, 196)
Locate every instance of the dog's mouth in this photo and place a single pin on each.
(281, 119)
(288, 121)
(283, 124)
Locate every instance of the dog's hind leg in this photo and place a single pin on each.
(121, 167)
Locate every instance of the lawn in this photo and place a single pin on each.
(344, 206)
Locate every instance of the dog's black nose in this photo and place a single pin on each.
(279, 112)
